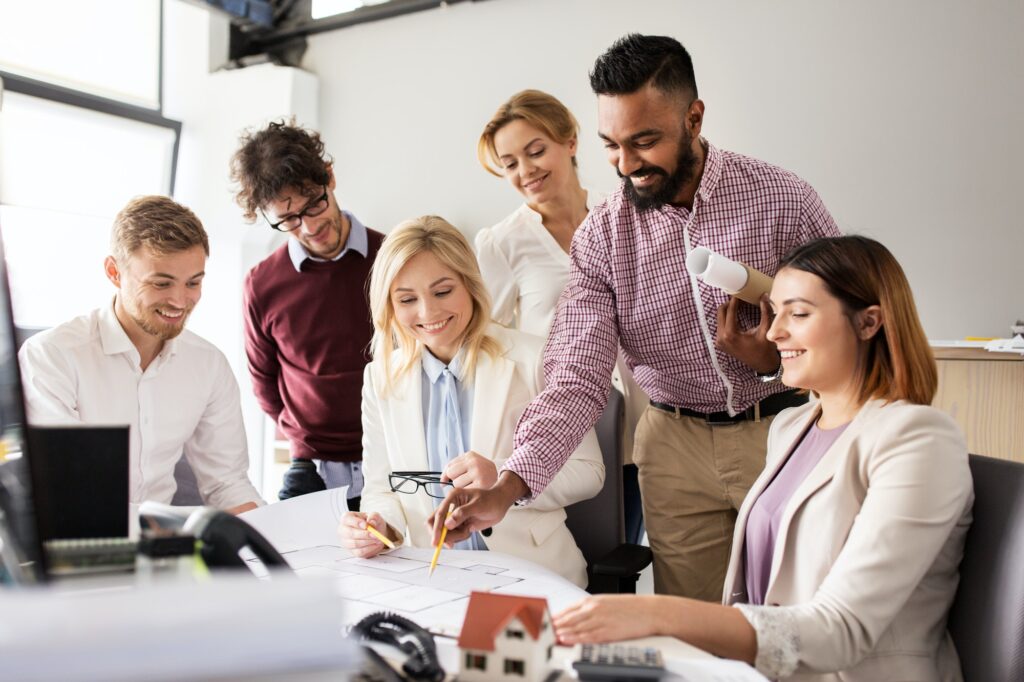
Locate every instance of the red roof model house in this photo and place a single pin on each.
(505, 637)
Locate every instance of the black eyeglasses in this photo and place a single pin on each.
(292, 222)
(409, 482)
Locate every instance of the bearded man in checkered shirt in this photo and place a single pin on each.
(701, 356)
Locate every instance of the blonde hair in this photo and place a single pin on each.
(541, 110)
(392, 345)
(160, 224)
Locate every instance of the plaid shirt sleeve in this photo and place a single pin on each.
(578, 361)
(815, 220)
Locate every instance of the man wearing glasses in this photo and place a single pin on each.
(307, 320)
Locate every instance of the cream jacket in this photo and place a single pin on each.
(866, 559)
(393, 440)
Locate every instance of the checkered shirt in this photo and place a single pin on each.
(628, 285)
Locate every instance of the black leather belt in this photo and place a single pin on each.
(771, 405)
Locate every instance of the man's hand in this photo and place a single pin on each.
(749, 346)
(474, 509)
(470, 470)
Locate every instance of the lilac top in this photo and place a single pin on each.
(766, 512)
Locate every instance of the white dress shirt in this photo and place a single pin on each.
(525, 271)
(88, 371)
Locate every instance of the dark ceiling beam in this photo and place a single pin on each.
(265, 41)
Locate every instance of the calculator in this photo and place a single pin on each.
(618, 663)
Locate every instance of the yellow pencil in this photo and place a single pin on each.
(380, 536)
(440, 544)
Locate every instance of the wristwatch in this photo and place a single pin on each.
(769, 378)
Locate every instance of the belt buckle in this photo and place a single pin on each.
(711, 420)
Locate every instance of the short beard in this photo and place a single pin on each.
(686, 166)
(164, 333)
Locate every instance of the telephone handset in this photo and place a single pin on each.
(223, 535)
(407, 637)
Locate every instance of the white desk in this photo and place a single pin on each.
(304, 528)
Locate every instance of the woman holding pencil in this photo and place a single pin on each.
(442, 396)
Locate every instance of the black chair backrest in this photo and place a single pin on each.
(21, 334)
(987, 618)
(597, 524)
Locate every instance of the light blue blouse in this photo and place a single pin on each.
(447, 418)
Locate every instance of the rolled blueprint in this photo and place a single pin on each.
(737, 279)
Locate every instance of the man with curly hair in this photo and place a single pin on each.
(307, 320)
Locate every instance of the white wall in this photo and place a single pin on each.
(214, 110)
(906, 116)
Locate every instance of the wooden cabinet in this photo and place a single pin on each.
(984, 393)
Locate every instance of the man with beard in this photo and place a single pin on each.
(702, 357)
(133, 362)
(307, 318)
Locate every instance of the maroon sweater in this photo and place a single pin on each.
(307, 336)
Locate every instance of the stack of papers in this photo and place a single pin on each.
(1014, 345)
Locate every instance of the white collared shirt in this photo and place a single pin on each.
(524, 268)
(358, 240)
(88, 371)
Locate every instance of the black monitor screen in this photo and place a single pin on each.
(20, 546)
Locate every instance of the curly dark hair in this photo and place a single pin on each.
(280, 156)
(635, 60)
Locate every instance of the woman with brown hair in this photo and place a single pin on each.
(845, 554)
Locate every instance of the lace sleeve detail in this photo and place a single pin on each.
(778, 641)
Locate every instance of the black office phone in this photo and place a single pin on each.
(223, 535)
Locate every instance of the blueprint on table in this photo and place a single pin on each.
(303, 530)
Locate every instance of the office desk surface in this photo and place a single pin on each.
(304, 528)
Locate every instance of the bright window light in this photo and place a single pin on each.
(328, 8)
(109, 48)
(65, 172)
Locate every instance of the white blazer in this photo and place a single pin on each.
(869, 545)
(394, 440)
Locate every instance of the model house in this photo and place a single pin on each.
(505, 637)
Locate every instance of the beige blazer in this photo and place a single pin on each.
(394, 440)
(868, 548)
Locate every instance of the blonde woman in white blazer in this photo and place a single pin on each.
(846, 551)
(531, 142)
(431, 316)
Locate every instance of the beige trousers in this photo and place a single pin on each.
(693, 478)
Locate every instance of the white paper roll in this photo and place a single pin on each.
(735, 279)
(717, 270)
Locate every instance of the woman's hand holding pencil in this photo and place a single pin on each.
(365, 534)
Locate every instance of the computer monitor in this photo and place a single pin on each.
(80, 481)
(21, 554)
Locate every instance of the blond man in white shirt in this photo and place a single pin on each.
(132, 362)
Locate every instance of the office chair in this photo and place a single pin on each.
(597, 524)
(987, 618)
(187, 492)
(22, 334)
